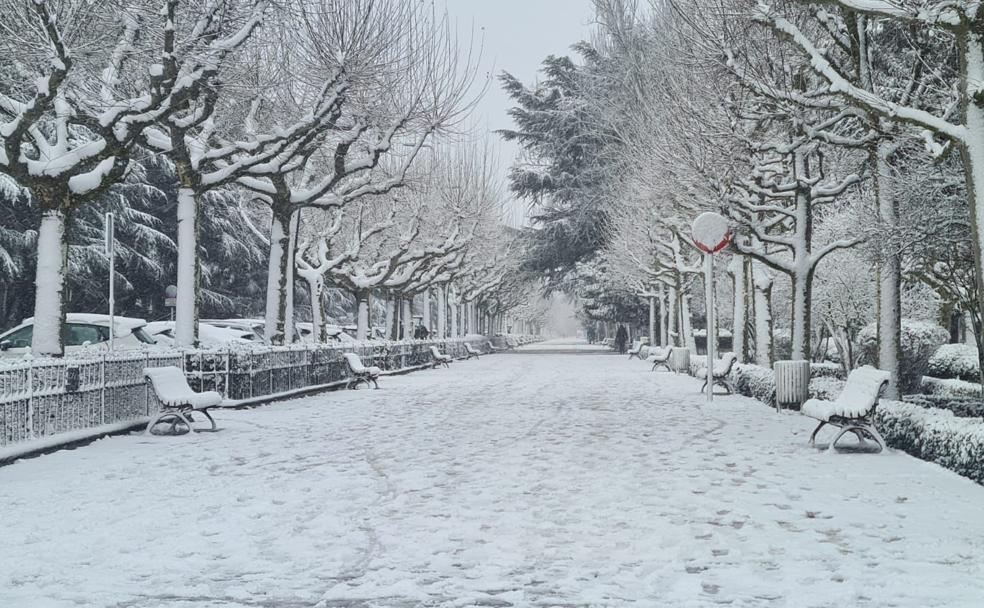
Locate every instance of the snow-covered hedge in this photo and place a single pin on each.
(950, 388)
(755, 381)
(827, 369)
(935, 435)
(963, 407)
(955, 361)
(919, 341)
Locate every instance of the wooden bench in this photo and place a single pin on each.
(178, 401)
(471, 351)
(719, 377)
(854, 409)
(659, 356)
(360, 374)
(440, 358)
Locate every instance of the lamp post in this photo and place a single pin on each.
(711, 234)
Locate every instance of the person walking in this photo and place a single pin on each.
(621, 338)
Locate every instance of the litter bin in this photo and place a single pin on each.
(792, 383)
(680, 359)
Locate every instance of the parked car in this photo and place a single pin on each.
(334, 332)
(255, 327)
(209, 336)
(81, 330)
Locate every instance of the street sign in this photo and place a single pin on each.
(711, 233)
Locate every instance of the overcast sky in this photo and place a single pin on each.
(518, 35)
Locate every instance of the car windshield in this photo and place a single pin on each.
(20, 338)
(77, 334)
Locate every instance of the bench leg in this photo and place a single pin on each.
(813, 436)
(174, 419)
(210, 419)
(860, 431)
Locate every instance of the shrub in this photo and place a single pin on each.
(755, 381)
(827, 369)
(962, 407)
(919, 341)
(955, 361)
(935, 435)
(950, 388)
(826, 387)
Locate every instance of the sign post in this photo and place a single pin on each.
(711, 234)
(110, 231)
(171, 298)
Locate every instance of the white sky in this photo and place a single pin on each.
(518, 35)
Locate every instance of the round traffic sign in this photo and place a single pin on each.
(711, 232)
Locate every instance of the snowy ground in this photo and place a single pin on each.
(549, 480)
(569, 344)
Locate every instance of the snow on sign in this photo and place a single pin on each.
(711, 232)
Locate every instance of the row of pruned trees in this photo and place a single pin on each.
(829, 133)
(310, 117)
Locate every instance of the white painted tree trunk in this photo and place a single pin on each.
(762, 303)
(316, 287)
(186, 304)
(442, 312)
(391, 317)
(971, 41)
(362, 322)
(49, 299)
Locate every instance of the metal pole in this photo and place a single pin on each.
(111, 252)
(711, 334)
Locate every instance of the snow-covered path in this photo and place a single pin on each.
(516, 480)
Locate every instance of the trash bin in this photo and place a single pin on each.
(680, 359)
(792, 383)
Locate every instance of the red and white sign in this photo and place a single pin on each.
(711, 232)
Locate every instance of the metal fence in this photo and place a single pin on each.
(45, 397)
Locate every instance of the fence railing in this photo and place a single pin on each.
(45, 397)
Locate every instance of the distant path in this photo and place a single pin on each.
(565, 346)
(509, 481)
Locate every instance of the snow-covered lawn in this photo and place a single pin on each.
(547, 480)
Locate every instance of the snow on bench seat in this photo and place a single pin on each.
(659, 356)
(471, 351)
(722, 367)
(440, 358)
(853, 410)
(178, 400)
(360, 373)
(172, 389)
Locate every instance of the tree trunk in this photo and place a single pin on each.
(442, 311)
(762, 303)
(391, 327)
(674, 325)
(289, 332)
(426, 309)
(889, 274)
(189, 270)
(316, 287)
(664, 317)
(687, 326)
(277, 273)
(49, 299)
(363, 300)
(801, 316)
(408, 318)
(737, 270)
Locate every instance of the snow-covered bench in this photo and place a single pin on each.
(495, 349)
(635, 349)
(360, 373)
(471, 351)
(660, 357)
(177, 400)
(854, 409)
(440, 358)
(722, 367)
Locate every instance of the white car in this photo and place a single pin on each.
(255, 327)
(209, 336)
(334, 333)
(81, 330)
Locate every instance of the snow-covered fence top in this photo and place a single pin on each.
(44, 397)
